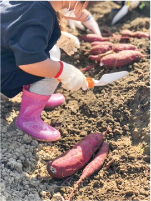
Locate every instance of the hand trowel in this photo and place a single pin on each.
(122, 12)
(106, 79)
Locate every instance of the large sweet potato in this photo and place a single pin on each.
(73, 160)
(121, 59)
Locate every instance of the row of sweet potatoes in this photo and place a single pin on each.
(113, 55)
(125, 34)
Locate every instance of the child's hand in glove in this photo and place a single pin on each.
(91, 24)
(71, 78)
(68, 43)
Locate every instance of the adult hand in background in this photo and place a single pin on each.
(73, 24)
(90, 24)
(133, 5)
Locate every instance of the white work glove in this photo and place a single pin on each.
(73, 24)
(72, 78)
(68, 43)
(91, 24)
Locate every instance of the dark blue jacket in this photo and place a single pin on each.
(29, 29)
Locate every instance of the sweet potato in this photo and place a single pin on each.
(100, 49)
(140, 34)
(122, 46)
(95, 57)
(119, 37)
(99, 56)
(73, 160)
(93, 37)
(137, 34)
(101, 43)
(126, 33)
(87, 68)
(121, 59)
(93, 166)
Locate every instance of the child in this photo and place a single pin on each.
(29, 30)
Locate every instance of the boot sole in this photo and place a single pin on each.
(38, 139)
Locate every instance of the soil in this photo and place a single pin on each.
(123, 105)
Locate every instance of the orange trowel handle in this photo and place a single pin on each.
(89, 80)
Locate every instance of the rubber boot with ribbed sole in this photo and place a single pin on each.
(29, 119)
(55, 100)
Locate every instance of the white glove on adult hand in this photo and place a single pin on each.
(92, 25)
(68, 43)
(132, 4)
(72, 78)
(73, 24)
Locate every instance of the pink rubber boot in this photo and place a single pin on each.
(29, 119)
(55, 100)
